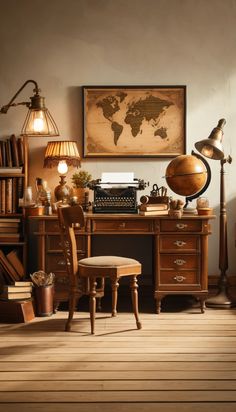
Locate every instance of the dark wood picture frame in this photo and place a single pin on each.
(134, 121)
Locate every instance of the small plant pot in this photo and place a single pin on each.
(79, 192)
(205, 211)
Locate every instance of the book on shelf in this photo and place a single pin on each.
(8, 229)
(158, 206)
(10, 169)
(12, 221)
(15, 199)
(14, 150)
(8, 153)
(3, 196)
(1, 161)
(9, 195)
(3, 152)
(9, 237)
(20, 148)
(154, 212)
(13, 258)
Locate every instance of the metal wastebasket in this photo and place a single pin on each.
(44, 300)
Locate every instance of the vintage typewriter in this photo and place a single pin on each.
(113, 196)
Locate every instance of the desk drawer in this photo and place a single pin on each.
(178, 261)
(181, 225)
(179, 279)
(183, 243)
(122, 225)
(52, 226)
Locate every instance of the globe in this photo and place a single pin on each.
(186, 175)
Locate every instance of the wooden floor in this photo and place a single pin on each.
(182, 361)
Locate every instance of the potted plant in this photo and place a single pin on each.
(80, 181)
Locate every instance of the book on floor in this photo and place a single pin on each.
(13, 258)
(15, 296)
(8, 268)
(16, 289)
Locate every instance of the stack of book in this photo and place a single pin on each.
(19, 291)
(10, 229)
(153, 209)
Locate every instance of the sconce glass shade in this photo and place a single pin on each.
(212, 146)
(39, 121)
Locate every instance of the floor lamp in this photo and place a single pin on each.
(213, 149)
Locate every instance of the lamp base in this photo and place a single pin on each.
(220, 301)
(62, 191)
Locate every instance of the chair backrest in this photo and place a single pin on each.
(70, 217)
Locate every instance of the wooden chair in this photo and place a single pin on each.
(84, 273)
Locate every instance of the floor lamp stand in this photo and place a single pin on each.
(221, 300)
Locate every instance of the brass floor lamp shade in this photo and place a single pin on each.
(213, 149)
(39, 121)
(62, 154)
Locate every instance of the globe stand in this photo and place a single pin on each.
(222, 300)
(204, 188)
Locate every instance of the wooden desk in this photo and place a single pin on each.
(180, 251)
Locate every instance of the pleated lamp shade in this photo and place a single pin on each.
(64, 150)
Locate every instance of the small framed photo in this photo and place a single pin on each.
(134, 121)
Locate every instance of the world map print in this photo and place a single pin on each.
(134, 122)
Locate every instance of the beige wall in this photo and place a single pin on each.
(64, 44)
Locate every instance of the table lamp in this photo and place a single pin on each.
(62, 154)
(39, 121)
(212, 148)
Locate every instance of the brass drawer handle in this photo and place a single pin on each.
(179, 262)
(181, 225)
(179, 278)
(61, 262)
(122, 225)
(179, 243)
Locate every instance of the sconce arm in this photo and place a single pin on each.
(4, 109)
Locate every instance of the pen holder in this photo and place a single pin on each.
(175, 213)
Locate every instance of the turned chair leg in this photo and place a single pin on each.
(134, 295)
(114, 287)
(92, 303)
(72, 303)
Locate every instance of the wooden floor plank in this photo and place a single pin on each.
(119, 385)
(120, 396)
(116, 366)
(121, 407)
(114, 375)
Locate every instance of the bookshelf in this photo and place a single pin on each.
(13, 181)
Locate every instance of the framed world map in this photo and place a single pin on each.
(134, 121)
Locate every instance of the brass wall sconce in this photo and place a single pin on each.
(62, 154)
(39, 121)
(213, 149)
